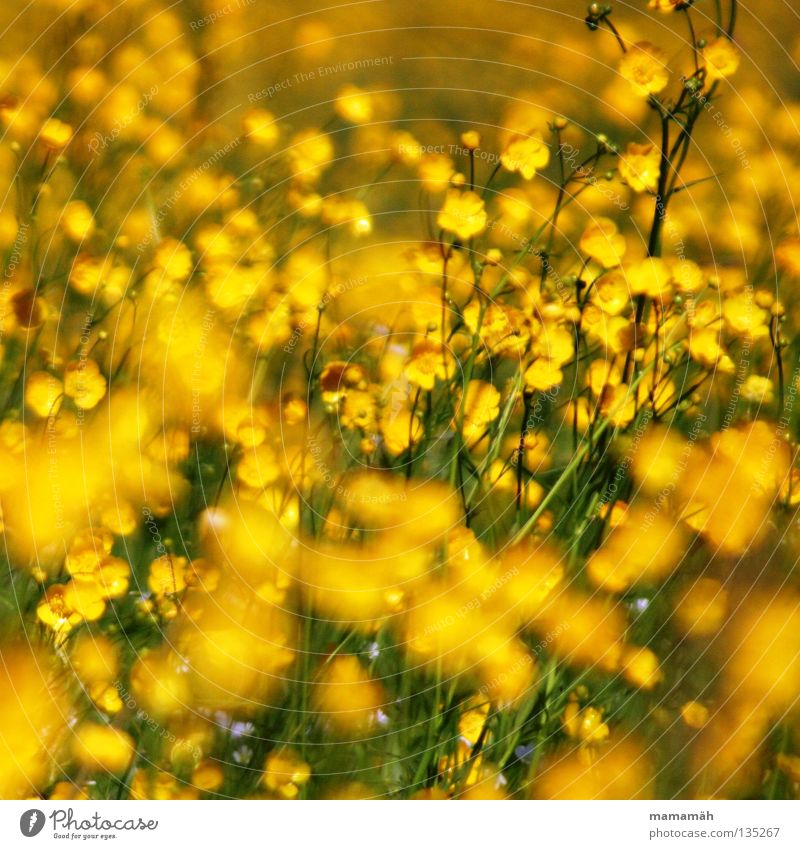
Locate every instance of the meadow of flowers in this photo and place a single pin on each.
(399, 402)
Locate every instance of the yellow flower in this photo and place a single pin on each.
(94, 658)
(640, 667)
(43, 393)
(526, 155)
(463, 213)
(106, 697)
(744, 317)
(694, 714)
(556, 343)
(602, 242)
(84, 599)
(639, 167)
(77, 221)
(260, 127)
(721, 59)
(435, 171)
(473, 718)
(651, 277)
(167, 575)
(84, 383)
(285, 772)
(55, 134)
(702, 608)
(208, 776)
(400, 429)
(339, 377)
(644, 67)
(174, 260)
(310, 152)
(481, 403)
(688, 276)
(612, 293)
(789, 764)
(667, 5)
(602, 373)
(758, 390)
(620, 771)
(348, 698)
(354, 105)
(705, 347)
(619, 404)
(586, 725)
(160, 683)
(112, 577)
(504, 331)
(787, 255)
(53, 611)
(101, 747)
(542, 374)
(428, 362)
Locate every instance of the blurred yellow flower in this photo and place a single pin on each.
(526, 155)
(721, 59)
(645, 68)
(639, 166)
(463, 214)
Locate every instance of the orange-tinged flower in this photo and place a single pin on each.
(337, 377)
